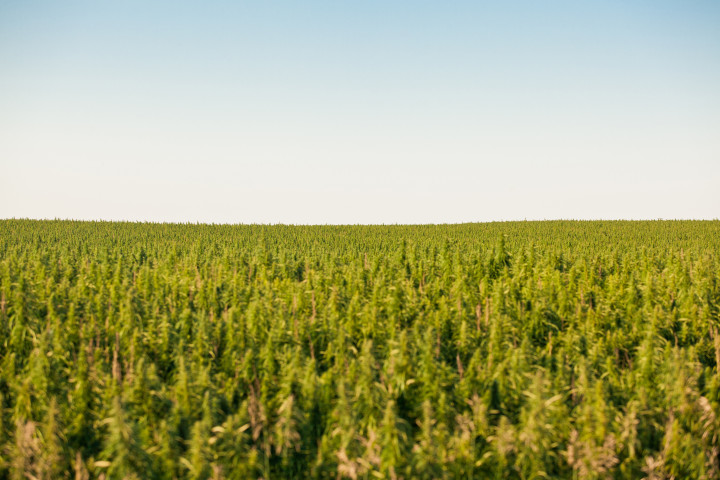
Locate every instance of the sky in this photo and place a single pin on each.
(344, 112)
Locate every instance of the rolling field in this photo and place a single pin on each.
(556, 349)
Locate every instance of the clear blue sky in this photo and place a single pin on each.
(359, 112)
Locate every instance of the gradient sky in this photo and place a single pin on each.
(359, 112)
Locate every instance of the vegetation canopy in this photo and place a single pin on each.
(559, 349)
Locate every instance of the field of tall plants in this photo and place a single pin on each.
(559, 349)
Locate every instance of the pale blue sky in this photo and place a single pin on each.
(359, 112)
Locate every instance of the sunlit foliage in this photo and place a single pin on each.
(506, 350)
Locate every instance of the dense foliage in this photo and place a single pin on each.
(506, 350)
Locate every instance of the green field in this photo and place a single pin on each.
(557, 349)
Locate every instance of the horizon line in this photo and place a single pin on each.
(379, 224)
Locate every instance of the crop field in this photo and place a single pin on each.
(559, 349)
